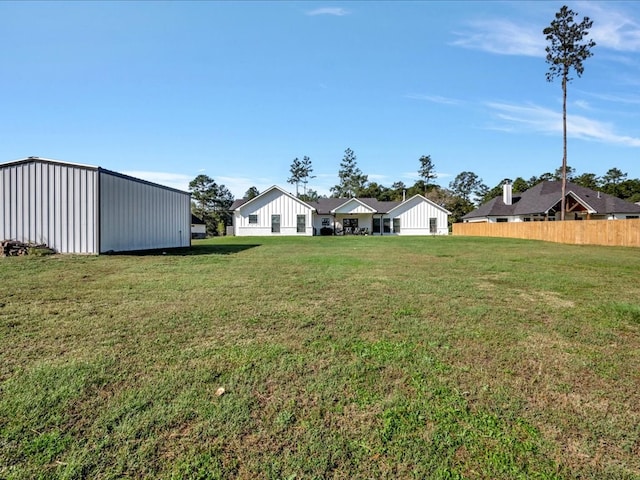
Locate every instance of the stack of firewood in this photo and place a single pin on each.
(13, 248)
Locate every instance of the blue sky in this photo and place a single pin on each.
(236, 90)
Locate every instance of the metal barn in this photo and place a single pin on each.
(76, 208)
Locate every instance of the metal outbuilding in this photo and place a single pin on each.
(75, 208)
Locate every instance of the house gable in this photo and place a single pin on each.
(415, 201)
(266, 197)
(353, 206)
(273, 211)
(419, 216)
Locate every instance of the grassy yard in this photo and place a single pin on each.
(341, 357)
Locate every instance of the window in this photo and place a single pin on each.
(433, 226)
(502, 220)
(386, 225)
(253, 219)
(301, 224)
(275, 223)
(396, 225)
(632, 216)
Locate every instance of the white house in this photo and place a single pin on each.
(277, 212)
(75, 208)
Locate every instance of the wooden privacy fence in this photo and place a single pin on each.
(624, 233)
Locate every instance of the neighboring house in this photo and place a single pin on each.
(76, 208)
(543, 203)
(277, 212)
(198, 227)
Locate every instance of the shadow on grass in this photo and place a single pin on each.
(186, 251)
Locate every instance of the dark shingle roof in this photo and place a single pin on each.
(545, 195)
(238, 203)
(324, 205)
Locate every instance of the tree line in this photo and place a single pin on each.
(211, 201)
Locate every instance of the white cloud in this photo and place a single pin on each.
(502, 37)
(434, 99)
(583, 104)
(334, 11)
(623, 99)
(539, 119)
(612, 28)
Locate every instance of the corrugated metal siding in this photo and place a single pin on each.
(140, 216)
(49, 203)
(272, 203)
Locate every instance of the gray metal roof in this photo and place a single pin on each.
(47, 160)
(542, 197)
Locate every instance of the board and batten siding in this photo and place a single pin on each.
(354, 208)
(138, 215)
(274, 202)
(414, 217)
(50, 203)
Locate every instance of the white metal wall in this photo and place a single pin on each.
(136, 215)
(49, 203)
(271, 203)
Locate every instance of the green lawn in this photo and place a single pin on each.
(341, 357)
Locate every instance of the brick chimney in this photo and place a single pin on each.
(506, 193)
